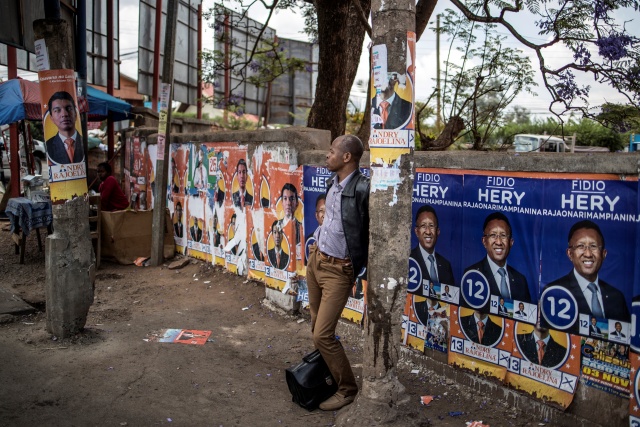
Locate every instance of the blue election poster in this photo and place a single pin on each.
(587, 262)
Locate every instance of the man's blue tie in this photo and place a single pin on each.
(504, 289)
(596, 308)
(432, 270)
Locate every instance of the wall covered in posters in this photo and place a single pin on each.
(501, 268)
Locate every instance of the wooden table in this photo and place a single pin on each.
(26, 215)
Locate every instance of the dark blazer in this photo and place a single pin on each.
(399, 112)
(284, 259)
(617, 334)
(177, 227)
(502, 309)
(520, 314)
(615, 305)
(445, 272)
(58, 153)
(554, 353)
(248, 199)
(256, 252)
(196, 233)
(492, 332)
(594, 329)
(517, 282)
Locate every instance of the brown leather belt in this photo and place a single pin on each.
(333, 260)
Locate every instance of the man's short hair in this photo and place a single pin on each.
(618, 324)
(320, 198)
(352, 144)
(106, 166)
(496, 216)
(61, 95)
(427, 208)
(290, 187)
(586, 224)
(242, 162)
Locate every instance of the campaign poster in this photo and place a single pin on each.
(151, 154)
(177, 211)
(634, 401)
(256, 225)
(198, 177)
(606, 366)
(288, 204)
(502, 226)
(435, 259)
(63, 135)
(257, 249)
(197, 231)
(176, 191)
(315, 188)
(414, 331)
(141, 174)
(280, 261)
(480, 341)
(545, 363)
(392, 108)
(588, 256)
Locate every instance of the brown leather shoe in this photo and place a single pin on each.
(336, 402)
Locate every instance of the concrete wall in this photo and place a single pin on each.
(309, 147)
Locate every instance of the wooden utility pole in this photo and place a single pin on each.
(160, 200)
(69, 257)
(382, 397)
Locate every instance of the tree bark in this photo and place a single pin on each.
(340, 38)
(382, 399)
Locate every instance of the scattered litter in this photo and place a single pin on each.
(246, 281)
(206, 282)
(222, 292)
(196, 279)
(142, 261)
(415, 371)
(245, 308)
(476, 424)
(178, 264)
(169, 419)
(182, 336)
(300, 320)
(28, 323)
(455, 413)
(425, 400)
(194, 274)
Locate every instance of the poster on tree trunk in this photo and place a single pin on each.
(63, 135)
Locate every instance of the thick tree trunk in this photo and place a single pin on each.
(340, 37)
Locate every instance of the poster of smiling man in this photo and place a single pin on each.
(63, 135)
(586, 258)
(501, 246)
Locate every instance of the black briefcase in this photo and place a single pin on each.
(311, 382)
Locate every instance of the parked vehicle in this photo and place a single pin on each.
(527, 143)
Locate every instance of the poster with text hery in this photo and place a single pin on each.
(63, 134)
(501, 245)
(315, 188)
(480, 341)
(545, 363)
(434, 263)
(587, 259)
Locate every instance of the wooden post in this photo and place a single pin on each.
(160, 199)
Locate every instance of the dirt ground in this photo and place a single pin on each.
(110, 376)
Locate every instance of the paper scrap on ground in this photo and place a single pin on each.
(425, 400)
(182, 336)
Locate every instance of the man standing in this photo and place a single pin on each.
(594, 296)
(242, 197)
(434, 267)
(341, 252)
(504, 280)
(66, 146)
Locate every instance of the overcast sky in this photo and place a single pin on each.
(289, 25)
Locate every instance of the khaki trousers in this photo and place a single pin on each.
(329, 285)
